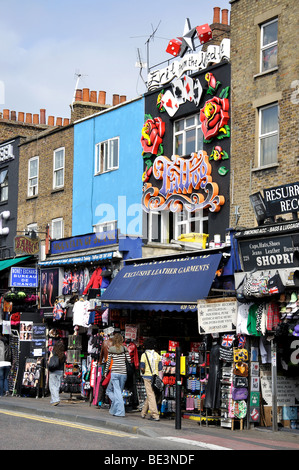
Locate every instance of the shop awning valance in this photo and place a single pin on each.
(7, 263)
(77, 259)
(172, 285)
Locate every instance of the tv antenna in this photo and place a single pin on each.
(151, 37)
(140, 64)
(79, 76)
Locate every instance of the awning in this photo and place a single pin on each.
(170, 285)
(7, 263)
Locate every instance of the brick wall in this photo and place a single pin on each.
(250, 89)
(48, 204)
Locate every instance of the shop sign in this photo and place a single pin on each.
(84, 242)
(217, 315)
(287, 390)
(277, 200)
(26, 245)
(23, 277)
(267, 253)
(180, 177)
(189, 63)
(6, 152)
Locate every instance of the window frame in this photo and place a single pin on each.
(263, 137)
(183, 132)
(33, 193)
(103, 164)
(56, 170)
(53, 222)
(102, 227)
(4, 184)
(267, 46)
(187, 220)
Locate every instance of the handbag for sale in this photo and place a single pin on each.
(240, 382)
(240, 369)
(239, 394)
(240, 354)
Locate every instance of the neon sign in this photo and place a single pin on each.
(186, 183)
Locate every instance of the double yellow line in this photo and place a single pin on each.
(67, 424)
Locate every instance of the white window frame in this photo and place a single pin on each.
(183, 222)
(4, 185)
(105, 226)
(183, 134)
(58, 221)
(56, 170)
(33, 188)
(104, 162)
(267, 135)
(268, 45)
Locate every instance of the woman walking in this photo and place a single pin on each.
(55, 375)
(116, 363)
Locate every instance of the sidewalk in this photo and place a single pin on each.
(82, 412)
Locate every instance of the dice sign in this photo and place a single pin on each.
(204, 33)
(174, 47)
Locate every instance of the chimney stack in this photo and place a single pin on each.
(102, 97)
(225, 16)
(216, 18)
(42, 116)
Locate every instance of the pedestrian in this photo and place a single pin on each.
(150, 364)
(56, 373)
(5, 365)
(117, 355)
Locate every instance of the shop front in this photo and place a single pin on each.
(158, 298)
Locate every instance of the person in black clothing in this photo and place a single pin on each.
(55, 376)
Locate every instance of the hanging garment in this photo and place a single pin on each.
(273, 317)
(95, 281)
(81, 313)
(242, 318)
(252, 320)
(212, 399)
(132, 348)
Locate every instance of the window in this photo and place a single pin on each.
(33, 176)
(58, 176)
(188, 136)
(57, 228)
(105, 226)
(268, 135)
(107, 155)
(190, 222)
(269, 45)
(3, 185)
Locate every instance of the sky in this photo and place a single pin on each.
(45, 45)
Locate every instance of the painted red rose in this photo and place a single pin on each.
(214, 116)
(152, 135)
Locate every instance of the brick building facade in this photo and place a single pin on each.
(258, 29)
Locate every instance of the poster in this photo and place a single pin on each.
(49, 287)
(217, 315)
(32, 373)
(26, 330)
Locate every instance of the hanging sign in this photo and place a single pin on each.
(23, 277)
(26, 245)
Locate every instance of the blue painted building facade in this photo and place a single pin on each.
(107, 175)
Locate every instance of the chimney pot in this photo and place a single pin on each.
(122, 99)
(86, 95)
(43, 116)
(225, 16)
(21, 116)
(13, 116)
(102, 97)
(5, 113)
(93, 96)
(59, 121)
(35, 119)
(66, 121)
(51, 121)
(28, 118)
(216, 18)
(115, 100)
(78, 96)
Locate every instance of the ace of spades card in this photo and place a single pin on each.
(178, 90)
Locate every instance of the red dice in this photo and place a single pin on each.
(174, 47)
(204, 33)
